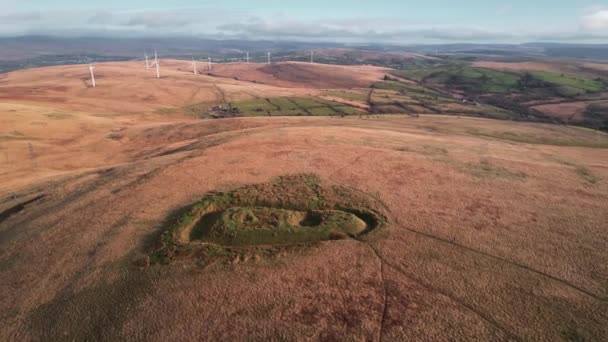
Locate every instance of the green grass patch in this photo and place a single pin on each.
(255, 107)
(255, 104)
(250, 226)
(570, 85)
(417, 109)
(284, 103)
(404, 88)
(290, 210)
(349, 110)
(383, 99)
(479, 80)
(307, 103)
(322, 111)
(289, 112)
(292, 107)
(389, 109)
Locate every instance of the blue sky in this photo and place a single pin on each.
(395, 21)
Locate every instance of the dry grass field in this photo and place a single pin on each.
(569, 112)
(301, 75)
(596, 66)
(128, 88)
(491, 230)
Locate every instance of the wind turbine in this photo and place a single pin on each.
(209, 61)
(92, 70)
(194, 66)
(247, 57)
(312, 57)
(147, 61)
(268, 57)
(156, 64)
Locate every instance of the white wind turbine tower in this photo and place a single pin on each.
(194, 66)
(156, 64)
(268, 57)
(157, 69)
(147, 61)
(312, 57)
(92, 71)
(247, 57)
(209, 61)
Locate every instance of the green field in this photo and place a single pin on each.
(403, 88)
(387, 100)
(322, 111)
(569, 85)
(257, 107)
(308, 103)
(480, 80)
(284, 104)
(468, 78)
(390, 109)
(293, 107)
(349, 110)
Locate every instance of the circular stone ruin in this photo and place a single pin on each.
(290, 210)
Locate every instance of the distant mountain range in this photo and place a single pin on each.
(33, 51)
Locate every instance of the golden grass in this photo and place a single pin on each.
(495, 230)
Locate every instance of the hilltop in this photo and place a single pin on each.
(126, 213)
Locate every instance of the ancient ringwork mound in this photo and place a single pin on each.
(291, 210)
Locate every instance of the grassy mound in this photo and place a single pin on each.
(290, 210)
(239, 226)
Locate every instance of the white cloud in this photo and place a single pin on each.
(596, 20)
(225, 24)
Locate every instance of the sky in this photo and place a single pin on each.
(370, 21)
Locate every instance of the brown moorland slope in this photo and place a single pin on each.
(486, 237)
(596, 66)
(51, 114)
(492, 230)
(568, 111)
(128, 88)
(302, 75)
